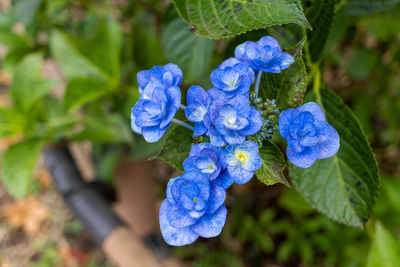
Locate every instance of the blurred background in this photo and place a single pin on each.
(68, 76)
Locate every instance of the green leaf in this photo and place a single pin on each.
(385, 249)
(344, 187)
(104, 47)
(28, 86)
(83, 90)
(25, 10)
(289, 86)
(177, 147)
(224, 18)
(72, 62)
(320, 15)
(102, 127)
(363, 7)
(17, 166)
(12, 122)
(273, 164)
(191, 52)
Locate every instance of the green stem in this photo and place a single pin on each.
(317, 85)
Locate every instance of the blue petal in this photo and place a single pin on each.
(240, 52)
(199, 129)
(197, 94)
(285, 122)
(309, 140)
(215, 94)
(217, 139)
(167, 78)
(165, 122)
(211, 225)
(195, 112)
(295, 145)
(134, 127)
(174, 236)
(217, 78)
(314, 109)
(170, 197)
(150, 87)
(174, 96)
(230, 62)
(255, 123)
(269, 41)
(144, 119)
(239, 175)
(152, 134)
(242, 105)
(224, 180)
(176, 73)
(179, 217)
(143, 77)
(280, 62)
(330, 146)
(253, 163)
(229, 155)
(303, 159)
(217, 198)
(234, 138)
(200, 180)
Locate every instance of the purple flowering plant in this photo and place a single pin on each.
(229, 124)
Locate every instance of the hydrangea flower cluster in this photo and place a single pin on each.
(308, 134)
(234, 122)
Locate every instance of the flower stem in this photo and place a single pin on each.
(317, 86)
(183, 107)
(258, 82)
(181, 123)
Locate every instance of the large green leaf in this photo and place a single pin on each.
(344, 187)
(28, 86)
(273, 164)
(320, 14)
(26, 10)
(12, 122)
(82, 90)
(191, 52)
(73, 63)
(17, 166)
(177, 147)
(223, 18)
(289, 86)
(363, 7)
(104, 47)
(103, 127)
(385, 249)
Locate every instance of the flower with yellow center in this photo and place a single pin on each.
(242, 161)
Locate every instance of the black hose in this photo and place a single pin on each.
(85, 201)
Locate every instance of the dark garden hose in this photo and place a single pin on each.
(90, 201)
(83, 198)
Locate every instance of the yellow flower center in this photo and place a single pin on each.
(232, 82)
(242, 157)
(195, 200)
(211, 167)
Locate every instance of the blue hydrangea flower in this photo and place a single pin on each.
(194, 207)
(308, 134)
(232, 78)
(229, 121)
(153, 113)
(264, 55)
(198, 101)
(165, 76)
(206, 159)
(243, 161)
(223, 180)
